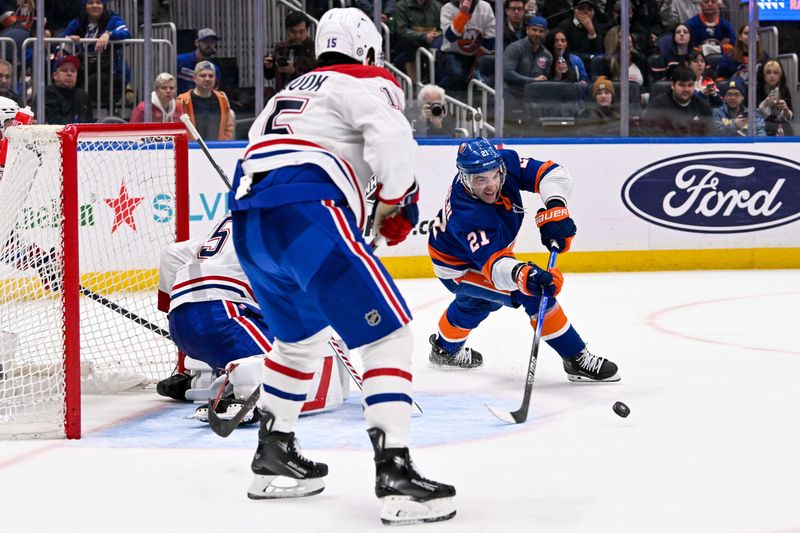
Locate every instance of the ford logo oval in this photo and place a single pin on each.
(716, 192)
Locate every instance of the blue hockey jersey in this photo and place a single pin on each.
(470, 234)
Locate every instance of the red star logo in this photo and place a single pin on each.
(123, 207)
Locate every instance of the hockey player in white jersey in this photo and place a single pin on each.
(298, 208)
(15, 250)
(215, 320)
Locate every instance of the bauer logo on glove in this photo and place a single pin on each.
(555, 224)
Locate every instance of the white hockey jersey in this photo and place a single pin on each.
(203, 271)
(346, 119)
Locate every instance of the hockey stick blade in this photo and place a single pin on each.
(223, 427)
(505, 416)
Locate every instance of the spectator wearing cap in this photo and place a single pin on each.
(97, 21)
(601, 116)
(582, 31)
(469, 33)
(64, 102)
(680, 112)
(205, 47)
(292, 57)
(162, 101)
(730, 119)
(208, 109)
(527, 60)
(515, 22)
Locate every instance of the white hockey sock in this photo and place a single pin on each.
(290, 368)
(387, 385)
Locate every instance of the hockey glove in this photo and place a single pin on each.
(535, 281)
(555, 224)
(396, 228)
(395, 221)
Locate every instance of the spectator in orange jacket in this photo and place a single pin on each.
(208, 109)
(162, 100)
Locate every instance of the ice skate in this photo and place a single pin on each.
(408, 498)
(587, 367)
(279, 469)
(465, 359)
(175, 386)
(227, 408)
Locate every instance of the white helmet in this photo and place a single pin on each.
(8, 109)
(349, 31)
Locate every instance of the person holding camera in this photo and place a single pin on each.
(293, 57)
(433, 120)
(730, 119)
(775, 100)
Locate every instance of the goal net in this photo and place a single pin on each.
(85, 211)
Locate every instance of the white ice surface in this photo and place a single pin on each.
(711, 371)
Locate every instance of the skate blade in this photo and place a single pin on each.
(277, 487)
(583, 379)
(403, 510)
(452, 368)
(197, 416)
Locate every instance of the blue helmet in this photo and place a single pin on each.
(475, 157)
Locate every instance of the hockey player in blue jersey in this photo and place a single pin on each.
(471, 247)
(298, 207)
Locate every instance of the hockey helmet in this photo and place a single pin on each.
(477, 157)
(8, 109)
(349, 31)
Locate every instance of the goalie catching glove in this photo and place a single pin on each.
(394, 221)
(535, 281)
(555, 224)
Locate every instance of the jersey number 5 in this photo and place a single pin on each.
(473, 237)
(217, 241)
(283, 106)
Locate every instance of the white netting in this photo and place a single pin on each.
(126, 192)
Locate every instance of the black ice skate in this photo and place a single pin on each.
(465, 359)
(279, 469)
(408, 498)
(589, 367)
(175, 386)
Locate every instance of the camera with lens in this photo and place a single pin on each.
(285, 53)
(437, 109)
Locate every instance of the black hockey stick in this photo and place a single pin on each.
(521, 414)
(223, 427)
(196, 135)
(102, 300)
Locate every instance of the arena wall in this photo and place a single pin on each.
(639, 204)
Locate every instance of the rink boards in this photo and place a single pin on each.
(639, 204)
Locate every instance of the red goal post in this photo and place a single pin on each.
(85, 211)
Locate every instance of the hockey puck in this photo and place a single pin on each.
(621, 409)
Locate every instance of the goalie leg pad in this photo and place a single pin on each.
(276, 487)
(404, 510)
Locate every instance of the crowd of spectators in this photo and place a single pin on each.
(681, 51)
(686, 62)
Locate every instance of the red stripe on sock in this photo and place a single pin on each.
(286, 371)
(377, 372)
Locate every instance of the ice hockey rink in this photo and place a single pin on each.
(710, 364)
